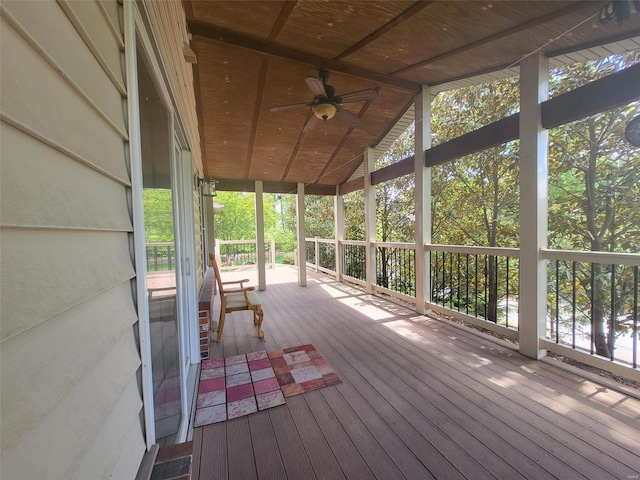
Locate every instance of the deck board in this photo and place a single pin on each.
(420, 399)
(268, 461)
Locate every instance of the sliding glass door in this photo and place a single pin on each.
(170, 251)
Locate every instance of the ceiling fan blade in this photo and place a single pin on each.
(348, 117)
(358, 96)
(316, 86)
(279, 108)
(311, 123)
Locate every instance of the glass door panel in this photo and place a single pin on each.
(163, 260)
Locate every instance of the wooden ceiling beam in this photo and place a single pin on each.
(294, 153)
(265, 47)
(404, 16)
(262, 80)
(352, 186)
(282, 19)
(188, 10)
(499, 35)
(607, 93)
(395, 170)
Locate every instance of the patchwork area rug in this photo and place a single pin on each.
(235, 386)
(301, 369)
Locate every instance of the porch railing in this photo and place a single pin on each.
(354, 254)
(243, 253)
(161, 256)
(479, 281)
(321, 254)
(396, 269)
(482, 285)
(592, 301)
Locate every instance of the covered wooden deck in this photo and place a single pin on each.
(420, 399)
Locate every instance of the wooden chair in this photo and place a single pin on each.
(243, 298)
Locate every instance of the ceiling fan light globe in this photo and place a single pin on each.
(324, 111)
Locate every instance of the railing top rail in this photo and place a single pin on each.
(503, 252)
(321, 240)
(394, 245)
(357, 243)
(231, 242)
(608, 258)
(159, 244)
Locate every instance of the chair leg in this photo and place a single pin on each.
(220, 325)
(257, 316)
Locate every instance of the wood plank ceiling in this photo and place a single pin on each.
(253, 55)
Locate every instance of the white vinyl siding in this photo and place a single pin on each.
(71, 403)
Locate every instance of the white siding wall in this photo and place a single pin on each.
(71, 403)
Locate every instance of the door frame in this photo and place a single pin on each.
(138, 33)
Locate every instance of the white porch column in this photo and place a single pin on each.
(338, 217)
(302, 246)
(370, 218)
(534, 89)
(422, 198)
(262, 276)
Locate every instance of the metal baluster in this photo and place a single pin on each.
(635, 317)
(466, 278)
(573, 302)
(433, 272)
(557, 299)
(612, 327)
(486, 284)
(458, 279)
(593, 296)
(475, 293)
(451, 280)
(507, 288)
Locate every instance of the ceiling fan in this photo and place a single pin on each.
(326, 103)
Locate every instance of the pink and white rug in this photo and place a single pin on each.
(235, 386)
(301, 369)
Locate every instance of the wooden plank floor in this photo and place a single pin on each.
(420, 399)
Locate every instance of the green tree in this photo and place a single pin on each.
(238, 219)
(594, 193)
(476, 198)
(158, 215)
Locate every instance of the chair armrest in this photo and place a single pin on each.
(235, 281)
(240, 290)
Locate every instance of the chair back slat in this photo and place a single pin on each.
(216, 270)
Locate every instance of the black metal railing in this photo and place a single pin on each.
(354, 258)
(479, 284)
(396, 268)
(311, 251)
(161, 256)
(238, 254)
(327, 255)
(594, 307)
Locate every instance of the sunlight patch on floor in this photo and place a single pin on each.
(371, 311)
(332, 291)
(405, 329)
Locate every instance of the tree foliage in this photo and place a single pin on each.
(158, 215)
